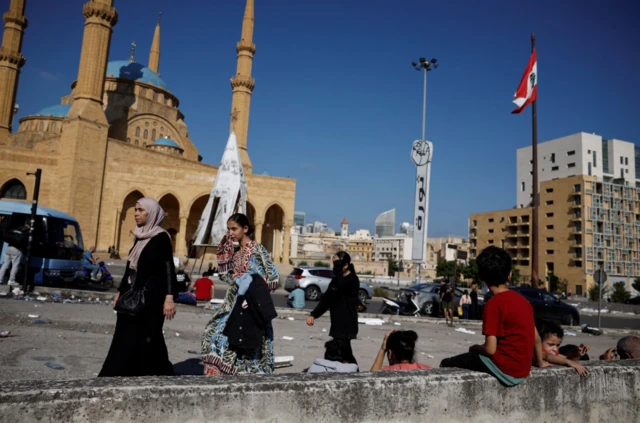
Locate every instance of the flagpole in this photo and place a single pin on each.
(534, 187)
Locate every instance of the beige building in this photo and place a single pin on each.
(120, 135)
(583, 224)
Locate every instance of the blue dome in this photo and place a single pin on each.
(59, 110)
(134, 72)
(166, 141)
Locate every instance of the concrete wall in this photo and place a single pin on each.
(610, 394)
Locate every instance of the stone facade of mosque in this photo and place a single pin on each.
(120, 135)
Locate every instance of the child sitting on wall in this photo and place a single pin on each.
(551, 335)
(507, 324)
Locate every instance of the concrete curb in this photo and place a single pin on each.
(610, 393)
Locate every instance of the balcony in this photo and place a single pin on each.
(576, 217)
(576, 205)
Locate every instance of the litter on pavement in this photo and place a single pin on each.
(370, 321)
(34, 316)
(283, 361)
(5, 334)
(54, 366)
(566, 332)
(287, 338)
(290, 318)
(463, 330)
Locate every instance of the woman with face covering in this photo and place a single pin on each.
(242, 263)
(138, 347)
(341, 299)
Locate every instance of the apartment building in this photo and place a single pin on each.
(578, 154)
(584, 224)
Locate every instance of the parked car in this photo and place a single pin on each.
(547, 306)
(315, 281)
(427, 296)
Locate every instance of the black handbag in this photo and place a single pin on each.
(132, 301)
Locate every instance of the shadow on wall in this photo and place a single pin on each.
(120, 100)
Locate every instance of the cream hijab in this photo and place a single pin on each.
(150, 229)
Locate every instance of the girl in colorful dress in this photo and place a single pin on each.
(250, 258)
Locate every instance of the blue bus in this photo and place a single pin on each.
(57, 249)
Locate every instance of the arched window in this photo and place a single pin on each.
(129, 140)
(146, 134)
(53, 127)
(14, 189)
(153, 135)
(144, 144)
(161, 136)
(137, 143)
(41, 126)
(138, 131)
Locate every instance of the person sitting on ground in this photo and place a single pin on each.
(628, 348)
(399, 347)
(575, 352)
(209, 271)
(338, 358)
(296, 298)
(551, 335)
(89, 263)
(507, 324)
(184, 282)
(204, 289)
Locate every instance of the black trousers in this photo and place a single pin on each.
(469, 361)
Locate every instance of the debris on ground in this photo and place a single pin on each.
(290, 318)
(287, 338)
(34, 316)
(193, 352)
(566, 332)
(397, 323)
(370, 321)
(324, 329)
(5, 334)
(467, 331)
(83, 330)
(40, 322)
(54, 366)
(283, 361)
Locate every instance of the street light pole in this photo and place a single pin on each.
(421, 155)
(424, 104)
(34, 210)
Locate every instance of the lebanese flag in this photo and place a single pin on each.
(528, 89)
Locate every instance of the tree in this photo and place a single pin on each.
(555, 283)
(563, 284)
(303, 263)
(320, 264)
(620, 293)
(470, 271)
(515, 275)
(594, 292)
(392, 267)
(444, 269)
(636, 284)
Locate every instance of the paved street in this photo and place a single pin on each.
(79, 336)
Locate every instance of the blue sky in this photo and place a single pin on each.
(337, 104)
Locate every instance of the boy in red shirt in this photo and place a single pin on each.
(507, 324)
(204, 289)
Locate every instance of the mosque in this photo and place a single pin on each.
(119, 135)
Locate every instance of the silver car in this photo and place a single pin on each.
(315, 282)
(428, 297)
